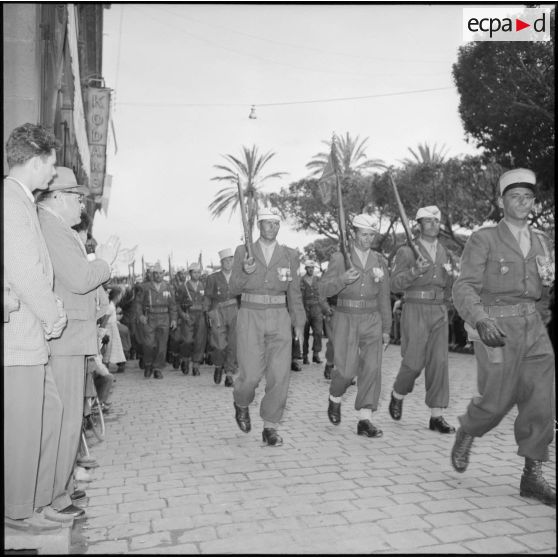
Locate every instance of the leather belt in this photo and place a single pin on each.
(264, 299)
(347, 303)
(425, 295)
(521, 309)
(196, 307)
(230, 302)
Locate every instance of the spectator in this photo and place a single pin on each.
(32, 405)
(76, 280)
(125, 337)
(115, 353)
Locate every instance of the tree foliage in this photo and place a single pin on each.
(507, 102)
(249, 169)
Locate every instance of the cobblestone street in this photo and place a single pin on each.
(177, 476)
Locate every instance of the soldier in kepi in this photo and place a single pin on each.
(222, 313)
(502, 293)
(269, 285)
(177, 336)
(361, 324)
(156, 310)
(426, 284)
(314, 316)
(196, 326)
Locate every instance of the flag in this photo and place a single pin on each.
(326, 182)
(142, 268)
(200, 261)
(126, 256)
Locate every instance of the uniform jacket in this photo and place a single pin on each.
(197, 295)
(29, 276)
(152, 302)
(266, 278)
(75, 281)
(373, 283)
(438, 275)
(310, 292)
(494, 272)
(217, 290)
(183, 301)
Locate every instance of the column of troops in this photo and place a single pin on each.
(258, 311)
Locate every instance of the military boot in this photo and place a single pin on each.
(534, 485)
(461, 450)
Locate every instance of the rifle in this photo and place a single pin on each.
(404, 219)
(245, 226)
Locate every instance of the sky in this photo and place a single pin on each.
(186, 76)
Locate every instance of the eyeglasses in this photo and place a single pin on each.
(80, 197)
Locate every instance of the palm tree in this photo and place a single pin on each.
(248, 170)
(351, 157)
(426, 155)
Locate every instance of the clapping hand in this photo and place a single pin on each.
(109, 250)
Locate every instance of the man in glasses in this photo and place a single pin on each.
(502, 293)
(75, 282)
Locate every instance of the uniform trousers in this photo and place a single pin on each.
(155, 339)
(32, 419)
(222, 338)
(424, 344)
(195, 336)
(357, 346)
(314, 320)
(69, 376)
(329, 334)
(525, 378)
(263, 348)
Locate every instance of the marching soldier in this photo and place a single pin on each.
(327, 308)
(196, 327)
(156, 310)
(426, 284)
(222, 313)
(271, 303)
(502, 293)
(177, 336)
(361, 324)
(314, 316)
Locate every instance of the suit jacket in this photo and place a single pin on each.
(28, 274)
(266, 279)
(75, 281)
(494, 272)
(373, 283)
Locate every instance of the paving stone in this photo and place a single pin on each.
(496, 545)
(108, 548)
(544, 541)
(128, 530)
(149, 540)
(453, 533)
(176, 523)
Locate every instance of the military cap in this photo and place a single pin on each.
(364, 221)
(516, 178)
(225, 253)
(65, 181)
(271, 214)
(157, 267)
(194, 267)
(430, 212)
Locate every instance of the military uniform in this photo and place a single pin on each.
(314, 317)
(178, 336)
(424, 322)
(158, 305)
(497, 281)
(270, 303)
(361, 316)
(222, 314)
(195, 326)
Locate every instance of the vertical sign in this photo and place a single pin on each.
(98, 110)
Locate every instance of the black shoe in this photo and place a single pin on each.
(147, 371)
(534, 485)
(440, 424)
(316, 358)
(366, 428)
(218, 374)
(305, 360)
(327, 371)
(140, 363)
(396, 408)
(185, 366)
(78, 495)
(242, 416)
(176, 362)
(461, 450)
(229, 382)
(121, 368)
(158, 375)
(72, 510)
(334, 412)
(271, 438)
(195, 370)
(295, 366)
